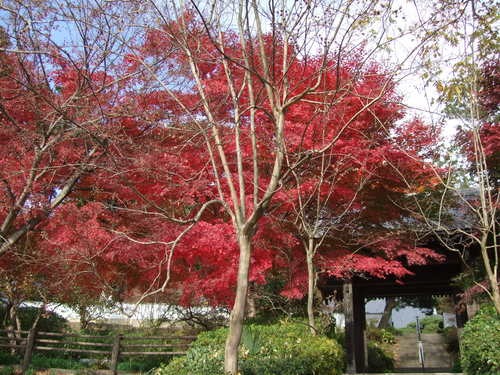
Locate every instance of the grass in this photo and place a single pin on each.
(7, 370)
(8, 359)
(39, 361)
(142, 364)
(429, 324)
(59, 360)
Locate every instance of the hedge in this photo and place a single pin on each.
(480, 343)
(278, 349)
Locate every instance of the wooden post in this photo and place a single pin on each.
(349, 327)
(365, 350)
(359, 330)
(28, 350)
(460, 311)
(115, 354)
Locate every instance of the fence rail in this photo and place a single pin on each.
(113, 347)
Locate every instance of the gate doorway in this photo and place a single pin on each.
(411, 334)
(429, 280)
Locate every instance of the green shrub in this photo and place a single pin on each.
(428, 324)
(480, 343)
(176, 366)
(8, 359)
(432, 324)
(457, 367)
(151, 337)
(450, 335)
(380, 349)
(380, 359)
(7, 370)
(41, 361)
(281, 349)
(141, 364)
(380, 335)
(393, 331)
(49, 321)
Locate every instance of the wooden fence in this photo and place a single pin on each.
(112, 347)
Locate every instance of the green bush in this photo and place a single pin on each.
(450, 335)
(380, 335)
(380, 349)
(151, 337)
(281, 349)
(141, 363)
(41, 361)
(7, 370)
(49, 321)
(432, 324)
(8, 359)
(176, 366)
(380, 359)
(480, 343)
(457, 367)
(428, 324)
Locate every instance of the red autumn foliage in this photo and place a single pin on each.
(118, 229)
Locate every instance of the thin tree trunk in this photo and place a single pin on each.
(390, 304)
(13, 319)
(493, 281)
(495, 292)
(84, 317)
(311, 285)
(251, 305)
(491, 272)
(348, 303)
(496, 297)
(238, 312)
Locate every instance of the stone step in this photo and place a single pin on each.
(435, 354)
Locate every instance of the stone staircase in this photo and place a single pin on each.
(435, 354)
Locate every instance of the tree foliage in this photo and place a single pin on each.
(196, 156)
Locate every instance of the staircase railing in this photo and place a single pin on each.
(420, 345)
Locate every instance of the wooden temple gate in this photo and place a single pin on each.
(428, 280)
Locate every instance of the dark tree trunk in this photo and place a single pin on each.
(390, 304)
(350, 344)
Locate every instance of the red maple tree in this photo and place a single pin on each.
(207, 158)
(178, 183)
